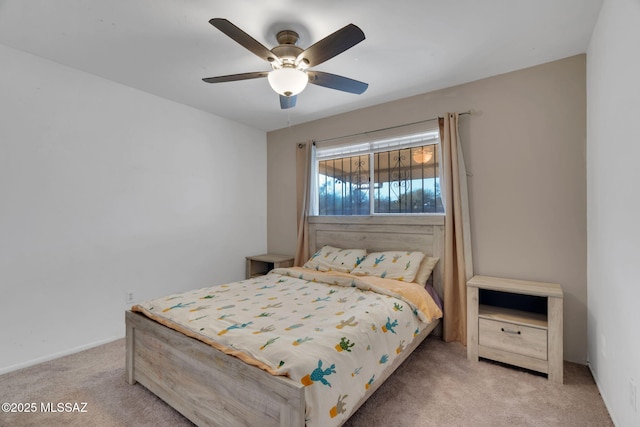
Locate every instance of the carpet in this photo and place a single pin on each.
(436, 386)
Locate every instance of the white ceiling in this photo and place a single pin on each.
(165, 47)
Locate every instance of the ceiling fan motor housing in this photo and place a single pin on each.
(287, 50)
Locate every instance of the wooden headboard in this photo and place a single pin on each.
(381, 233)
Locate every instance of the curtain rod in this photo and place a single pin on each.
(387, 128)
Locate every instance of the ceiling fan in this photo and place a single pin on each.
(290, 63)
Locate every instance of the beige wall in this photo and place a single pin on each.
(524, 145)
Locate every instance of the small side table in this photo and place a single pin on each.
(502, 326)
(258, 265)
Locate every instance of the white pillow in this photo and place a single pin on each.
(426, 268)
(396, 265)
(330, 258)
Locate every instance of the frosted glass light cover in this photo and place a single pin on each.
(288, 81)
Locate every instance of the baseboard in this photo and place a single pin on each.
(56, 355)
(604, 399)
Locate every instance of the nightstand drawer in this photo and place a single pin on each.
(513, 338)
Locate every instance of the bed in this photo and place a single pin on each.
(211, 387)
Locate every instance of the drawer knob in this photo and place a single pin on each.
(510, 332)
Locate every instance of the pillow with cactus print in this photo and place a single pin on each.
(396, 265)
(330, 258)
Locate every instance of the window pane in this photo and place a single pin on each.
(407, 181)
(343, 186)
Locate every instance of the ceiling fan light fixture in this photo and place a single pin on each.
(288, 81)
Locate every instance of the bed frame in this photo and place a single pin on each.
(212, 388)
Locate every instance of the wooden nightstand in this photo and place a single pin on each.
(258, 265)
(516, 322)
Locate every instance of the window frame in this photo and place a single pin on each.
(370, 144)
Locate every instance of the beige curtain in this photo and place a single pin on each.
(303, 195)
(458, 265)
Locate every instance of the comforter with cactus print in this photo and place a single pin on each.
(334, 332)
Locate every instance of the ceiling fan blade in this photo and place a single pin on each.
(333, 81)
(332, 45)
(288, 101)
(244, 39)
(236, 77)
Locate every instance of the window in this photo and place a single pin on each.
(398, 175)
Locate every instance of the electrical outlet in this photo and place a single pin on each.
(632, 394)
(129, 297)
